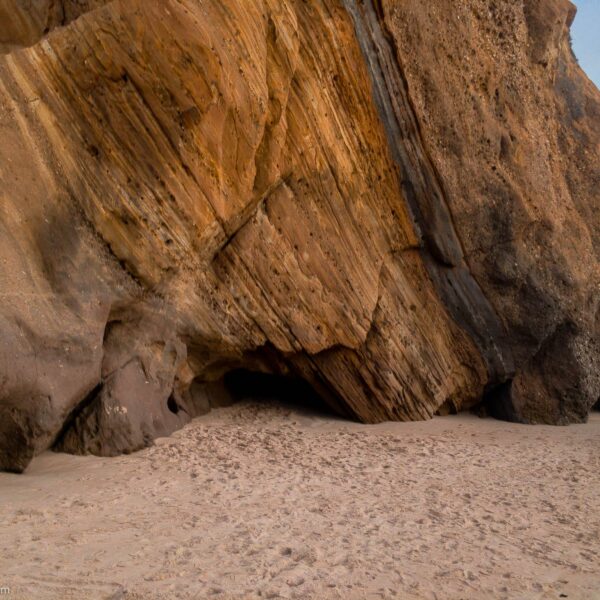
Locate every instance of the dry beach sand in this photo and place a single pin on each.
(262, 500)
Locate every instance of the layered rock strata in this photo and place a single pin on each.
(395, 202)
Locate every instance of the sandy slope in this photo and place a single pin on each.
(264, 501)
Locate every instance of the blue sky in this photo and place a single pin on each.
(585, 33)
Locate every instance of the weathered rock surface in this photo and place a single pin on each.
(396, 202)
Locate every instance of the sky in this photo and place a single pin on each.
(585, 34)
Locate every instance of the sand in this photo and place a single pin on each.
(261, 500)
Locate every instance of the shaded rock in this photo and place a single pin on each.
(25, 22)
(124, 414)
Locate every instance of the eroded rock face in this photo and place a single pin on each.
(512, 127)
(337, 191)
(25, 22)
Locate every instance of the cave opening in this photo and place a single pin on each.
(288, 391)
(172, 405)
(497, 403)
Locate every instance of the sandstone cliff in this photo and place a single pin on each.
(396, 202)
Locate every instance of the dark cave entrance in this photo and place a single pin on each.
(497, 403)
(286, 390)
(172, 405)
